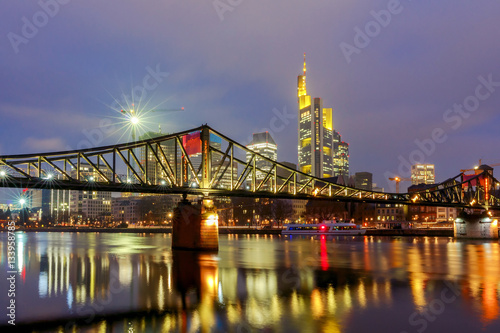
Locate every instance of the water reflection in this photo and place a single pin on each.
(265, 283)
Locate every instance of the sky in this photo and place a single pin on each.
(409, 81)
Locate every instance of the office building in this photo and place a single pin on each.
(423, 174)
(321, 152)
(363, 180)
(90, 204)
(263, 144)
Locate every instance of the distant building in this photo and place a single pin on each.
(223, 179)
(341, 156)
(377, 188)
(391, 212)
(425, 214)
(90, 204)
(363, 180)
(156, 173)
(423, 174)
(263, 144)
(299, 210)
(321, 152)
(126, 210)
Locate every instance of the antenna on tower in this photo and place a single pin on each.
(159, 128)
(304, 64)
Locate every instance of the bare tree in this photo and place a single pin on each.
(282, 209)
(325, 210)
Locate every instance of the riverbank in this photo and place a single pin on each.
(244, 231)
(411, 232)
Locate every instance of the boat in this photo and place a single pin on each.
(325, 228)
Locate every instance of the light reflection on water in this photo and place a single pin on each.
(121, 282)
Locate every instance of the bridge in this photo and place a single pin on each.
(198, 162)
(203, 161)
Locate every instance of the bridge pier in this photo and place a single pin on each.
(476, 225)
(195, 226)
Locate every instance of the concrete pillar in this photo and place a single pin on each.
(478, 225)
(195, 226)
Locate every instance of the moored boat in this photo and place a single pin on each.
(324, 228)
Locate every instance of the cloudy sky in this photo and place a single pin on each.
(396, 74)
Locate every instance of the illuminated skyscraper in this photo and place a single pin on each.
(262, 143)
(320, 151)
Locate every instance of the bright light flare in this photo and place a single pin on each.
(134, 120)
(211, 220)
(22, 201)
(3, 173)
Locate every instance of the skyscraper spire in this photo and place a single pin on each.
(304, 64)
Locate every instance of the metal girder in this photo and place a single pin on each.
(477, 191)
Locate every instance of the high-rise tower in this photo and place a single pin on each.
(316, 149)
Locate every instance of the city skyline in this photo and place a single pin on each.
(394, 93)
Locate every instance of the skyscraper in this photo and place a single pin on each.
(363, 180)
(318, 149)
(423, 174)
(262, 143)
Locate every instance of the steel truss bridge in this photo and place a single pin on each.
(202, 161)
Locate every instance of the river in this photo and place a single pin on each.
(106, 282)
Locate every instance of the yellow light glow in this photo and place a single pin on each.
(211, 220)
(494, 223)
(134, 120)
(327, 118)
(306, 142)
(304, 101)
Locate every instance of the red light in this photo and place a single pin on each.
(323, 227)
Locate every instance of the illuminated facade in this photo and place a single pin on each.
(341, 156)
(321, 153)
(262, 143)
(90, 204)
(423, 174)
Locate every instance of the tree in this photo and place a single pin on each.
(24, 216)
(265, 209)
(224, 211)
(283, 210)
(325, 210)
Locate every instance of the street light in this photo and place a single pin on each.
(3, 173)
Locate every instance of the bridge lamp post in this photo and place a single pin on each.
(3, 174)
